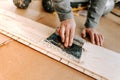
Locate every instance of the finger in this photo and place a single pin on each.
(92, 37)
(72, 31)
(83, 34)
(101, 40)
(102, 37)
(97, 41)
(58, 30)
(66, 37)
(62, 33)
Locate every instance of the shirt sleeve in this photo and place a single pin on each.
(63, 9)
(95, 11)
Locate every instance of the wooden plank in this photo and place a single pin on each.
(97, 62)
(19, 62)
(116, 10)
(4, 40)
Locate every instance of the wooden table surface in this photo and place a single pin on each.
(19, 62)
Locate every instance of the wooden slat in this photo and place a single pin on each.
(97, 62)
(3, 39)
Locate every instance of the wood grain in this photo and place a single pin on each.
(97, 62)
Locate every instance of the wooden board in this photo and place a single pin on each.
(4, 40)
(116, 12)
(97, 62)
(19, 62)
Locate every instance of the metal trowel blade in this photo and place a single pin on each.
(75, 49)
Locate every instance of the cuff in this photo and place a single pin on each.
(90, 24)
(64, 16)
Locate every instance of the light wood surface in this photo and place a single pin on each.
(96, 62)
(3, 40)
(108, 26)
(19, 62)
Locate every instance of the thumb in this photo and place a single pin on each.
(83, 34)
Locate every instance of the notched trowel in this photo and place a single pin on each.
(75, 49)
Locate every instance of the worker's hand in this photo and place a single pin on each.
(95, 37)
(67, 31)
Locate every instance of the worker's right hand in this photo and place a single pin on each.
(67, 31)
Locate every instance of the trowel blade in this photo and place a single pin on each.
(75, 49)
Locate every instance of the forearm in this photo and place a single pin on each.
(63, 9)
(95, 12)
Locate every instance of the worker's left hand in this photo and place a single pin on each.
(95, 37)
